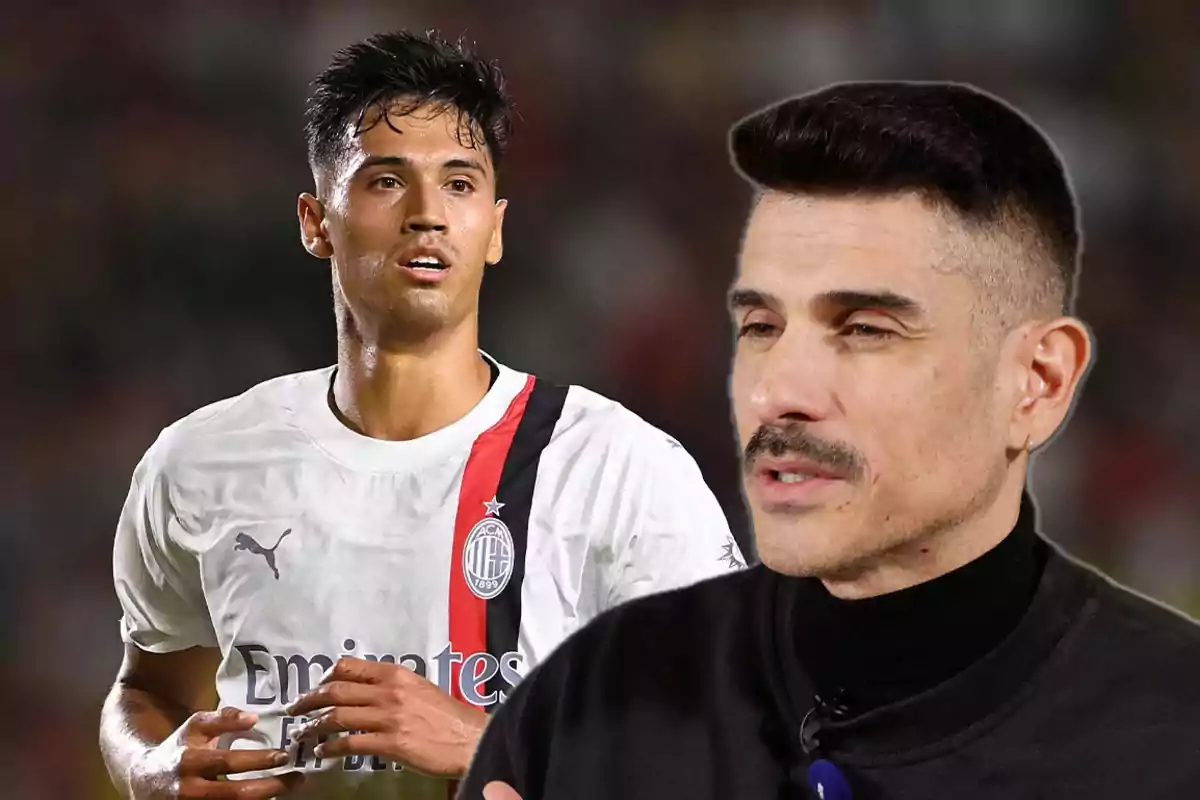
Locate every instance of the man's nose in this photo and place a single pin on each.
(795, 381)
(425, 209)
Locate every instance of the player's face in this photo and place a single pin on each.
(411, 218)
(856, 375)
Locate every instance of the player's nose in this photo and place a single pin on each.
(424, 210)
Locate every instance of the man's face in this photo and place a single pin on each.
(411, 217)
(867, 410)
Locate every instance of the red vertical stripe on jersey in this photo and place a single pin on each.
(468, 613)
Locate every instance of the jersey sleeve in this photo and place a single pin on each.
(157, 581)
(675, 533)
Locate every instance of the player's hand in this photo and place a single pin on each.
(391, 712)
(188, 764)
(498, 790)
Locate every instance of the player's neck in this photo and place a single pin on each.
(945, 551)
(403, 393)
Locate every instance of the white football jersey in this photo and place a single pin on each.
(263, 526)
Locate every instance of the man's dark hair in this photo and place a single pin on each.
(412, 69)
(952, 144)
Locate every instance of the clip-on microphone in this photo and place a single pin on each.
(823, 776)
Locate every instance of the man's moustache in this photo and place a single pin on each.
(795, 440)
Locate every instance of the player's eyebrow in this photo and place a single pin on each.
(407, 163)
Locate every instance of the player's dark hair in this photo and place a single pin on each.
(951, 143)
(412, 69)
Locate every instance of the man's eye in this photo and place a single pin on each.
(461, 185)
(386, 182)
(754, 330)
(861, 331)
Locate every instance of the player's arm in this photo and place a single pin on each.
(675, 532)
(157, 735)
(153, 695)
(159, 741)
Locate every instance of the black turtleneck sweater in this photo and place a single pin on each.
(896, 645)
(1021, 675)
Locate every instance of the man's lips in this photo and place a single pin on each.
(790, 482)
(426, 262)
(793, 468)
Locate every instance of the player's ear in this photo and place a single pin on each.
(310, 212)
(495, 249)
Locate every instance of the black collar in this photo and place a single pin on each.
(867, 653)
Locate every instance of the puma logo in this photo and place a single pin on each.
(245, 541)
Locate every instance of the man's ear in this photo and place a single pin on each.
(495, 249)
(1058, 357)
(310, 212)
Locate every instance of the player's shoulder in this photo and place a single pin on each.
(596, 421)
(234, 422)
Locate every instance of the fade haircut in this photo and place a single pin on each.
(396, 73)
(960, 149)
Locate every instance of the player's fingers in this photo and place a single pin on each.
(343, 720)
(499, 791)
(337, 693)
(256, 789)
(214, 763)
(211, 724)
(356, 744)
(359, 670)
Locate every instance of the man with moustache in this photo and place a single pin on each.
(904, 343)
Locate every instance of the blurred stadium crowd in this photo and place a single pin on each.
(153, 262)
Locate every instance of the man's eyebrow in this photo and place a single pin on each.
(383, 161)
(841, 300)
(406, 162)
(743, 298)
(464, 163)
(859, 300)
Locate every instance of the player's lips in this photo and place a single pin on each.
(790, 481)
(429, 264)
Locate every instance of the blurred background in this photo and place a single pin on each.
(153, 265)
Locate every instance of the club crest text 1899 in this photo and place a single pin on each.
(488, 558)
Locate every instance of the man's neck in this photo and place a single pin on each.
(398, 393)
(865, 653)
(940, 551)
